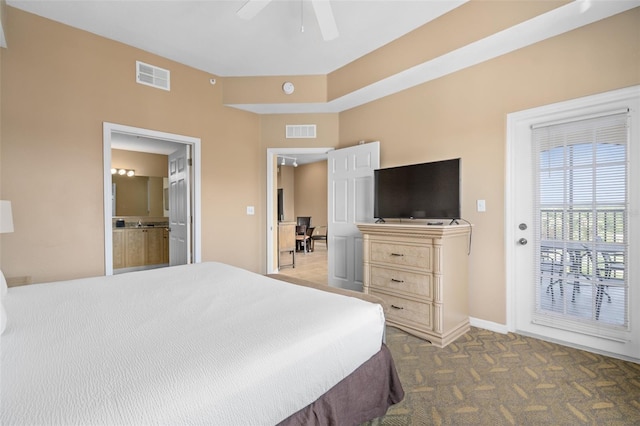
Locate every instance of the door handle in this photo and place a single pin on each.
(523, 241)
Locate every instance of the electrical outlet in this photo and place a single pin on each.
(251, 210)
(481, 205)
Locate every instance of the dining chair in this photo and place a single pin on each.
(303, 239)
(303, 235)
(319, 234)
(303, 220)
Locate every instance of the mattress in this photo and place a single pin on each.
(195, 344)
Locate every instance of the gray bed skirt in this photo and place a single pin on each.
(364, 395)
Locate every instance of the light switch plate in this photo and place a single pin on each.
(251, 210)
(481, 205)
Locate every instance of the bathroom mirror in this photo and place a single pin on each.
(138, 196)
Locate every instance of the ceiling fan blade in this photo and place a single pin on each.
(251, 8)
(326, 20)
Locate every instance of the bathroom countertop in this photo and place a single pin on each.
(144, 226)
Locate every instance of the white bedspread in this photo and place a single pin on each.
(194, 344)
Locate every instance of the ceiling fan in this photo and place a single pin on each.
(322, 9)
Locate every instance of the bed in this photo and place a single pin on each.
(196, 344)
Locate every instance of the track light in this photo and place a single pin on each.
(285, 158)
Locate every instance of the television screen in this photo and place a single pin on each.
(418, 191)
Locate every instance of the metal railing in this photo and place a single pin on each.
(586, 248)
(579, 225)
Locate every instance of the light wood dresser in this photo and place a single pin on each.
(420, 271)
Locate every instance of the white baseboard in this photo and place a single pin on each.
(488, 325)
(503, 329)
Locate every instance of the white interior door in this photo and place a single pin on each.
(350, 190)
(179, 207)
(571, 227)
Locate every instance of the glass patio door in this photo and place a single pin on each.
(581, 216)
(573, 223)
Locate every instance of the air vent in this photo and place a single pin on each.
(153, 76)
(301, 131)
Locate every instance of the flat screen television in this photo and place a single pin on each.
(418, 191)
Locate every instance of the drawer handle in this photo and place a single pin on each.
(396, 281)
(396, 307)
(397, 254)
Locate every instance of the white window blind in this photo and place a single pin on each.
(581, 205)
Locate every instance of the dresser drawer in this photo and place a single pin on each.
(401, 281)
(406, 311)
(401, 254)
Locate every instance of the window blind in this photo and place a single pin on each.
(581, 204)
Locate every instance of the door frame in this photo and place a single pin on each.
(107, 130)
(272, 154)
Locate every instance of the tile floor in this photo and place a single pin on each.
(309, 266)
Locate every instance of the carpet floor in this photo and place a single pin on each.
(487, 378)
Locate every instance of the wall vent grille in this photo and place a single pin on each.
(153, 76)
(301, 131)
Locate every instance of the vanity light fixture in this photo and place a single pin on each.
(122, 172)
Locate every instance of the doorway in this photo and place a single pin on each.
(349, 200)
(272, 219)
(145, 140)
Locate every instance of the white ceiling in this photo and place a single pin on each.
(208, 35)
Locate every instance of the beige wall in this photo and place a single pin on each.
(59, 85)
(311, 192)
(256, 90)
(51, 130)
(272, 130)
(305, 191)
(464, 115)
(472, 21)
